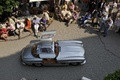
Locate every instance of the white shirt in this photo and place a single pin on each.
(64, 12)
(67, 0)
(114, 4)
(36, 21)
(101, 5)
(21, 25)
(105, 17)
(46, 15)
(107, 7)
(111, 23)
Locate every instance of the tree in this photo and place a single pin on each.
(6, 7)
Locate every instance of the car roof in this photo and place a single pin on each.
(46, 49)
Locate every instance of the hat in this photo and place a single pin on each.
(28, 19)
(35, 16)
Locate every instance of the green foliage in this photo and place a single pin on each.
(7, 6)
(113, 76)
(1, 10)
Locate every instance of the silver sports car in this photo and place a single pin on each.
(47, 52)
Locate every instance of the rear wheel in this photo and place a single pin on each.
(38, 64)
(75, 63)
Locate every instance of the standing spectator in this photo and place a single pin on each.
(107, 7)
(104, 17)
(113, 9)
(35, 24)
(117, 14)
(93, 16)
(3, 33)
(117, 24)
(93, 6)
(107, 26)
(114, 4)
(100, 4)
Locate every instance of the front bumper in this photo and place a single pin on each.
(83, 62)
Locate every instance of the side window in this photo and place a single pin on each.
(47, 36)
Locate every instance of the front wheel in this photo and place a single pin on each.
(75, 63)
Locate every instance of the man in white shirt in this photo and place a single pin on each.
(19, 28)
(104, 18)
(20, 25)
(46, 14)
(64, 12)
(107, 25)
(35, 23)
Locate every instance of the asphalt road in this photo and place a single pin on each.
(102, 55)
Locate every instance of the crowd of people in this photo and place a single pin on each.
(107, 15)
(67, 12)
(14, 26)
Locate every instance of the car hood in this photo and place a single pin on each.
(71, 49)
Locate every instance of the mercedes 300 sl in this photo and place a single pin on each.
(49, 52)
